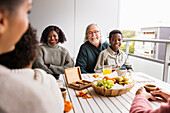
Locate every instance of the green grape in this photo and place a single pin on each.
(112, 84)
(105, 83)
(108, 87)
(99, 84)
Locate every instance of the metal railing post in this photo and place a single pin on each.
(166, 59)
(154, 51)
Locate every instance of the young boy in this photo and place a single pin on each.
(112, 56)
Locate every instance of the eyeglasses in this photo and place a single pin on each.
(91, 33)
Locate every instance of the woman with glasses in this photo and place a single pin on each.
(112, 55)
(89, 51)
(53, 58)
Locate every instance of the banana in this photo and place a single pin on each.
(119, 79)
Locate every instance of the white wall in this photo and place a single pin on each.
(54, 12)
(73, 16)
(147, 67)
(103, 12)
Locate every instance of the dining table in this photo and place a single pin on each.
(115, 104)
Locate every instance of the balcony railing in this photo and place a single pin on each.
(165, 62)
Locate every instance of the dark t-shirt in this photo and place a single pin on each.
(87, 56)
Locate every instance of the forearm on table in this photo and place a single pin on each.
(140, 105)
(57, 69)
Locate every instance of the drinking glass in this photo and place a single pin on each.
(60, 83)
(107, 69)
(63, 91)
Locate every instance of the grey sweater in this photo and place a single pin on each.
(53, 59)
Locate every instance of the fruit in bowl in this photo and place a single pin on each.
(105, 83)
(122, 80)
(108, 86)
(108, 78)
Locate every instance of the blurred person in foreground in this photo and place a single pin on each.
(52, 57)
(20, 62)
(113, 56)
(141, 104)
(90, 49)
(17, 93)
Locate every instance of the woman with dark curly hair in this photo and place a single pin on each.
(51, 57)
(19, 94)
(20, 62)
(24, 53)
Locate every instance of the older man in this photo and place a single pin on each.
(89, 51)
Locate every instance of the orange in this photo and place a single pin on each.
(67, 106)
(84, 94)
(107, 78)
(96, 76)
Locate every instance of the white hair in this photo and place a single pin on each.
(86, 33)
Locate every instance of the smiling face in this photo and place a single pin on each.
(94, 35)
(116, 41)
(14, 25)
(53, 37)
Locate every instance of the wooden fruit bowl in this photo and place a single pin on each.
(112, 92)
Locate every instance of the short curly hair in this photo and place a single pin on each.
(47, 30)
(114, 32)
(24, 53)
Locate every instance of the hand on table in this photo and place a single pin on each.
(160, 93)
(142, 91)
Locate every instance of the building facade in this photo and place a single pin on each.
(155, 50)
